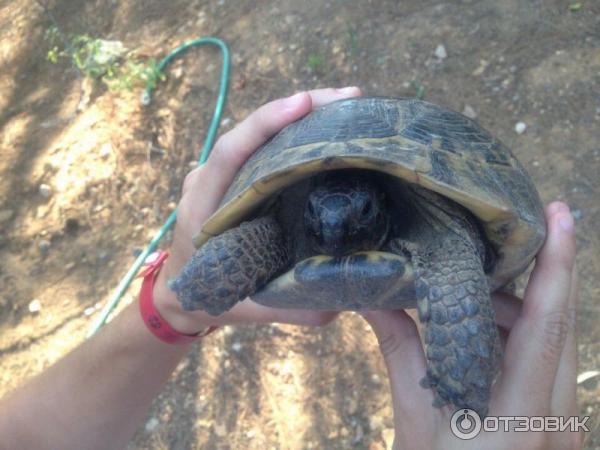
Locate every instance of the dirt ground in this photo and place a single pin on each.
(115, 170)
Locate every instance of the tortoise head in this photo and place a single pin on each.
(346, 214)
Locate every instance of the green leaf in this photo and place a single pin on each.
(574, 7)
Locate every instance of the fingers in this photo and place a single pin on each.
(564, 395)
(321, 97)
(249, 311)
(402, 351)
(536, 342)
(235, 147)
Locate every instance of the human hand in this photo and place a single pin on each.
(540, 357)
(203, 189)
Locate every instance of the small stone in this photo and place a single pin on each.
(440, 52)
(89, 311)
(6, 215)
(520, 127)
(105, 150)
(44, 246)
(577, 214)
(177, 72)
(236, 347)
(45, 190)
(375, 423)
(375, 379)
(226, 121)
(481, 68)
(34, 306)
(469, 112)
(151, 424)
(220, 429)
(388, 436)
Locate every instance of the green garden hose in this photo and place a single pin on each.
(208, 145)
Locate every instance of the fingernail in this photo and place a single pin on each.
(556, 207)
(346, 90)
(567, 223)
(293, 101)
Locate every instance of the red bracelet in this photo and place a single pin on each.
(153, 320)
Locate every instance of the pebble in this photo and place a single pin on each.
(89, 311)
(151, 424)
(469, 112)
(220, 429)
(226, 121)
(5, 215)
(375, 423)
(105, 150)
(45, 190)
(177, 72)
(440, 52)
(577, 214)
(44, 245)
(388, 437)
(236, 347)
(520, 127)
(34, 306)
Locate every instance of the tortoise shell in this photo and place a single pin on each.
(418, 142)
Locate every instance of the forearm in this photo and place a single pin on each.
(96, 396)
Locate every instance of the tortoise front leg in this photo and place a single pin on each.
(461, 338)
(230, 267)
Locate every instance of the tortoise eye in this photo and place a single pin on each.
(367, 208)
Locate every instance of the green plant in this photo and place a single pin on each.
(315, 62)
(419, 89)
(106, 61)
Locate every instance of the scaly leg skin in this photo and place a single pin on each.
(232, 266)
(461, 338)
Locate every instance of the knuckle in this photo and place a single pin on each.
(191, 178)
(389, 344)
(219, 149)
(554, 327)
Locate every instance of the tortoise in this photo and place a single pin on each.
(378, 203)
